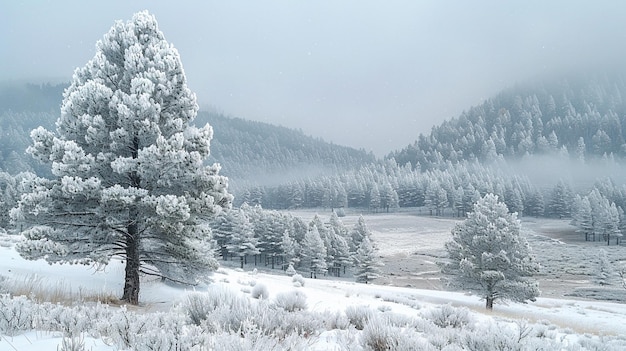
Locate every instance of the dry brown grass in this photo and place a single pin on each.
(59, 292)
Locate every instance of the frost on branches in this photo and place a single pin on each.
(129, 179)
(488, 256)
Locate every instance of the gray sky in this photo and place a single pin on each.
(367, 74)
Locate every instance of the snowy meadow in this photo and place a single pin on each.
(52, 307)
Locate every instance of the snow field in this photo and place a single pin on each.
(384, 314)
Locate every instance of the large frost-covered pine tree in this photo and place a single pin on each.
(489, 257)
(129, 179)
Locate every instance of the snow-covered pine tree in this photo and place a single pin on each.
(358, 232)
(289, 249)
(561, 200)
(582, 217)
(489, 257)
(314, 252)
(222, 229)
(367, 264)
(339, 246)
(242, 242)
(128, 174)
(374, 199)
(604, 270)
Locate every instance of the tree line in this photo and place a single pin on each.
(279, 240)
(578, 117)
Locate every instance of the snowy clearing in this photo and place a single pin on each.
(410, 245)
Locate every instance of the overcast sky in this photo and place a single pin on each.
(367, 74)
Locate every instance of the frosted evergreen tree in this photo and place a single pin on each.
(128, 174)
(582, 217)
(604, 270)
(489, 257)
(534, 204)
(581, 149)
(561, 200)
(289, 249)
(367, 263)
(375, 199)
(222, 230)
(314, 253)
(388, 197)
(339, 246)
(242, 242)
(358, 232)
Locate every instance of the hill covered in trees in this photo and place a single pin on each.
(582, 116)
(264, 154)
(249, 152)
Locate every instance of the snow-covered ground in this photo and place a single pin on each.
(410, 245)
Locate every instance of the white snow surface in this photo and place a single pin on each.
(394, 233)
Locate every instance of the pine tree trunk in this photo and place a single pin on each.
(131, 280)
(489, 304)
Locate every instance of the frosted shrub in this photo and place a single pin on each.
(517, 336)
(448, 316)
(447, 339)
(336, 320)
(384, 308)
(3, 285)
(260, 292)
(217, 309)
(72, 321)
(72, 343)
(492, 338)
(169, 333)
(302, 323)
(359, 315)
(123, 328)
(298, 280)
(250, 339)
(291, 301)
(198, 306)
(280, 324)
(16, 314)
(290, 271)
(246, 282)
(379, 335)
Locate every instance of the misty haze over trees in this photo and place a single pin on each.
(508, 146)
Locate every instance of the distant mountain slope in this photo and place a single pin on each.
(249, 152)
(581, 117)
(262, 153)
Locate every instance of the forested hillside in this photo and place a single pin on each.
(582, 117)
(257, 153)
(249, 152)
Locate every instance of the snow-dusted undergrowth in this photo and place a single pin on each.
(244, 310)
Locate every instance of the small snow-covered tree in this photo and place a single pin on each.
(375, 199)
(314, 252)
(128, 174)
(489, 257)
(367, 264)
(289, 249)
(358, 232)
(242, 242)
(222, 230)
(561, 201)
(604, 270)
